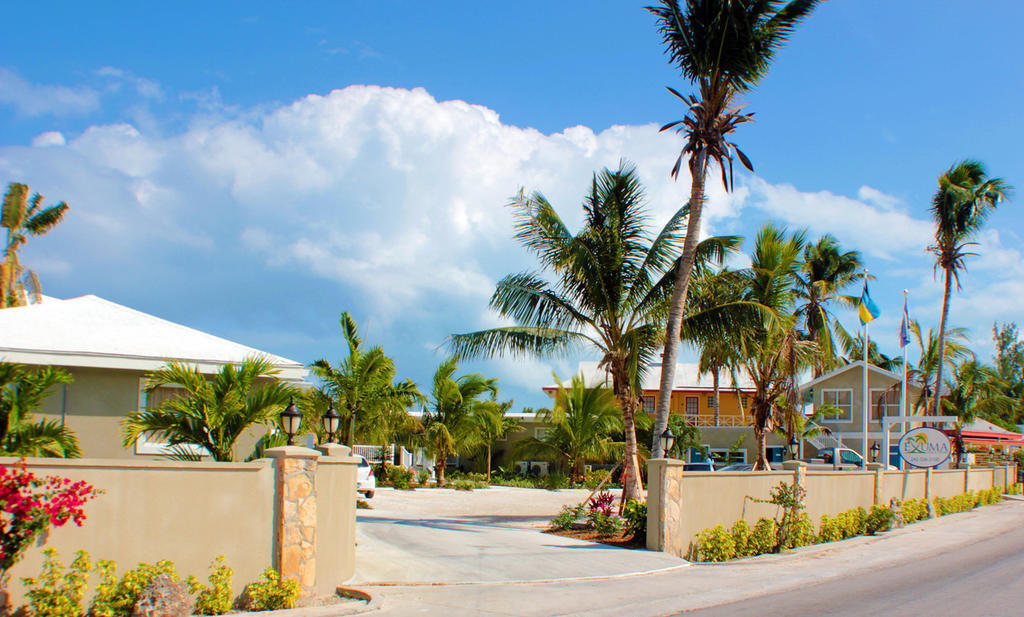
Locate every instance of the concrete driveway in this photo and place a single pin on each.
(432, 536)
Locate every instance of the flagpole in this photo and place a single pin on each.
(865, 395)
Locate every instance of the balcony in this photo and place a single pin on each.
(729, 421)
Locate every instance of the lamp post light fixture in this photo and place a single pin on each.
(291, 419)
(874, 452)
(667, 441)
(794, 447)
(331, 421)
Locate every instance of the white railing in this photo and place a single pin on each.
(723, 421)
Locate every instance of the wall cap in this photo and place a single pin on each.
(291, 452)
(128, 463)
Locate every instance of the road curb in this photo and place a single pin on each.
(569, 579)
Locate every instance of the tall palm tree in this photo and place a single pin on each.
(975, 392)
(930, 359)
(579, 426)
(23, 217)
(22, 391)
(775, 353)
(448, 424)
(493, 424)
(210, 412)
(826, 271)
(964, 199)
(723, 47)
(613, 278)
(362, 386)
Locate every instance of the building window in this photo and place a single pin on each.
(692, 406)
(648, 404)
(711, 402)
(540, 432)
(885, 403)
(745, 401)
(725, 456)
(775, 454)
(148, 444)
(841, 400)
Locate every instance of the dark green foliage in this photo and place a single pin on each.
(635, 515)
(400, 477)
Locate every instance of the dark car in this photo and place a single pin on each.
(705, 466)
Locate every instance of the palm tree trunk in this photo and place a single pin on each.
(714, 377)
(488, 462)
(698, 170)
(942, 344)
(439, 464)
(761, 464)
(632, 487)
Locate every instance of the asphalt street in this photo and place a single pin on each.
(983, 579)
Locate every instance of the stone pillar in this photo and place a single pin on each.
(295, 515)
(335, 449)
(664, 506)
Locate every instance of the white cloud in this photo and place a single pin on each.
(31, 99)
(49, 138)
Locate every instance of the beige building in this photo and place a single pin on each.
(109, 349)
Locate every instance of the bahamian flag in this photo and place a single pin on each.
(905, 326)
(868, 310)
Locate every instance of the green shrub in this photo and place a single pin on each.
(423, 476)
(853, 522)
(400, 477)
(879, 519)
(361, 504)
(463, 485)
(270, 593)
(603, 524)
(519, 482)
(913, 511)
(763, 537)
(215, 599)
(58, 593)
(801, 532)
(117, 598)
(830, 529)
(567, 517)
(716, 544)
(940, 506)
(555, 480)
(740, 536)
(635, 514)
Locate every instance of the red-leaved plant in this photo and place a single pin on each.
(30, 504)
(602, 502)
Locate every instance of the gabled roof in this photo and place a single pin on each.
(92, 332)
(687, 378)
(859, 366)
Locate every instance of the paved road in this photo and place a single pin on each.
(982, 579)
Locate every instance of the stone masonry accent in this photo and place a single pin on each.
(295, 471)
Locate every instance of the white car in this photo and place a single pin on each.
(366, 483)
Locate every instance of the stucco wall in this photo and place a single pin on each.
(681, 504)
(190, 513)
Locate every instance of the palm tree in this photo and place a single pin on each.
(210, 412)
(613, 278)
(493, 424)
(22, 391)
(363, 386)
(826, 271)
(954, 349)
(579, 428)
(965, 197)
(23, 217)
(723, 47)
(853, 350)
(448, 424)
(775, 353)
(975, 392)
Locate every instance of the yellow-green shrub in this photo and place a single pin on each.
(215, 599)
(716, 544)
(879, 519)
(117, 598)
(763, 537)
(740, 536)
(801, 533)
(270, 593)
(830, 529)
(58, 593)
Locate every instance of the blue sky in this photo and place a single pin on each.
(252, 170)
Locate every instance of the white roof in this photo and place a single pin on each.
(687, 377)
(93, 332)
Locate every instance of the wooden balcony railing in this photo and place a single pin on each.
(705, 420)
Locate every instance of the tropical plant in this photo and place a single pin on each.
(448, 424)
(723, 47)
(976, 391)
(825, 272)
(853, 350)
(613, 278)
(363, 389)
(22, 391)
(23, 217)
(493, 424)
(211, 412)
(1009, 364)
(964, 199)
(579, 428)
(954, 350)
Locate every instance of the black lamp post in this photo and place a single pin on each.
(291, 419)
(331, 421)
(794, 447)
(874, 452)
(667, 441)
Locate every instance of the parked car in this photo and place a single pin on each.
(366, 483)
(705, 466)
(848, 459)
(738, 467)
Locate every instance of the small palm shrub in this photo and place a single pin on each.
(567, 518)
(422, 477)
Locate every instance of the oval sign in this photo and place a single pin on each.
(925, 447)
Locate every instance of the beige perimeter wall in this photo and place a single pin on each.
(190, 513)
(681, 504)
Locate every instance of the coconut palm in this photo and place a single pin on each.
(493, 424)
(22, 391)
(613, 278)
(954, 349)
(211, 412)
(826, 271)
(362, 386)
(964, 199)
(448, 421)
(775, 354)
(975, 392)
(853, 349)
(723, 47)
(579, 426)
(23, 217)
